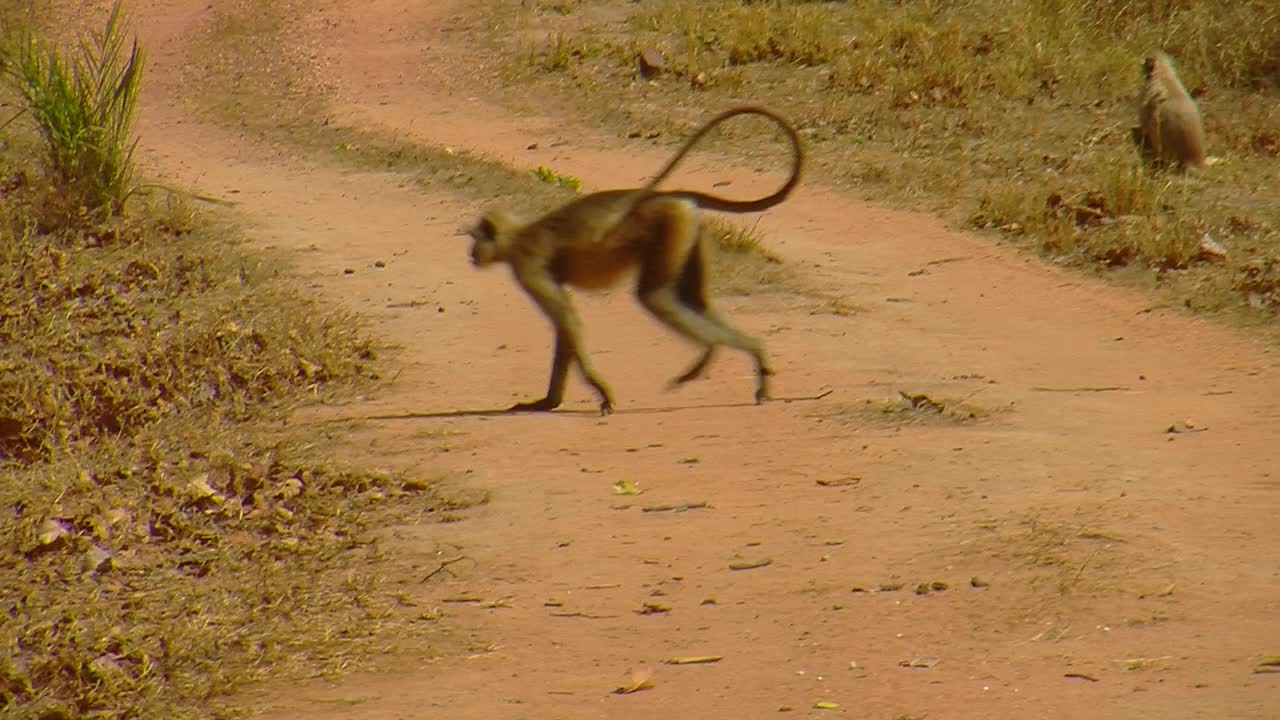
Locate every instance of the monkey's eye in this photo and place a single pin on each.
(486, 229)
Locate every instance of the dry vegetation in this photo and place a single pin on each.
(1008, 116)
(167, 534)
(914, 408)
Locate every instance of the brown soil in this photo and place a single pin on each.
(1132, 572)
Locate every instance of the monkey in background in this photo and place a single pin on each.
(1170, 133)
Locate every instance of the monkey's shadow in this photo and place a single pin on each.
(587, 413)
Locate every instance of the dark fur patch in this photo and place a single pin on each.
(691, 287)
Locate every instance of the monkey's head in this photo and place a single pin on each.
(491, 238)
(1152, 60)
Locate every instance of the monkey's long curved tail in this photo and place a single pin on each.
(724, 204)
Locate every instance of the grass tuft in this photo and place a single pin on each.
(551, 177)
(83, 103)
(910, 408)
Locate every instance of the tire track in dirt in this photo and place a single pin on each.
(1007, 498)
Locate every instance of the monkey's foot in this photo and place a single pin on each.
(762, 384)
(695, 371)
(544, 405)
(606, 407)
(692, 374)
(676, 382)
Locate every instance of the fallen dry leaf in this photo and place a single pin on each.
(678, 507)
(199, 488)
(95, 558)
(840, 481)
(694, 660)
(625, 487)
(1184, 426)
(639, 680)
(51, 531)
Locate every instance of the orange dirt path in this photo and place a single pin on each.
(1132, 573)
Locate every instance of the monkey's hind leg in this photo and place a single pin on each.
(672, 287)
(691, 291)
(554, 303)
(695, 370)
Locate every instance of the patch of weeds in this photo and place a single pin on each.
(738, 34)
(83, 104)
(1069, 555)
(735, 239)
(562, 52)
(551, 177)
(1050, 545)
(912, 408)
(556, 7)
(115, 327)
(740, 262)
(1259, 280)
(1130, 216)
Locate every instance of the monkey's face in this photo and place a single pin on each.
(487, 240)
(483, 251)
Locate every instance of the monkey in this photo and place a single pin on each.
(592, 242)
(1169, 132)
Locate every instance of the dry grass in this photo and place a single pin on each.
(743, 264)
(907, 408)
(1066, 554)
(1012, 117)
(168, 536)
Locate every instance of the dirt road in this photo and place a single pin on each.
(1128, 572)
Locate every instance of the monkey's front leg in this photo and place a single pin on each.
(555, 389)
(555, 304)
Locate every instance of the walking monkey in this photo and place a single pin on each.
(593, 241)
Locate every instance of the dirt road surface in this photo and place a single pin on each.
(1126, 572)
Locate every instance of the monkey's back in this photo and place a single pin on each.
(1172, 131)
(587, 243)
